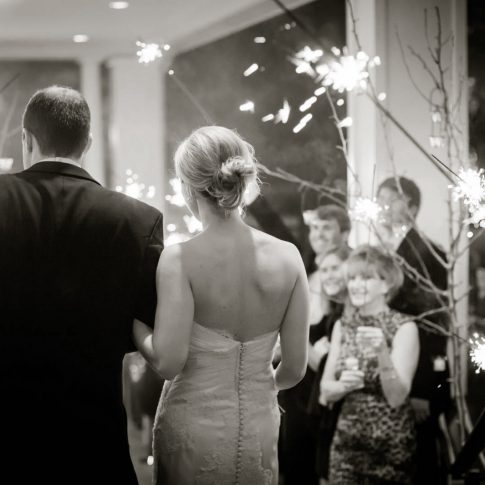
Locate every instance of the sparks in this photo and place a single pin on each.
(308, 103)
(345, 123)
(477, 352)
(247, 106)
(267, 117)
(302, 123)
(251, 69)
(148, 52)
(470, 188)
(175, 238)
(366, 210)
(260, 40)
(477, 217)
(283, 113)
(346, 74)
(136, 189)
(309, 55)
(176, 198)
(303, 67)
(193, 224)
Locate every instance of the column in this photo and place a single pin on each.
(137, 124)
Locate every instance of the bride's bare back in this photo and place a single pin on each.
(241, 280)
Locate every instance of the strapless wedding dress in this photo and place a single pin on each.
(217, 422)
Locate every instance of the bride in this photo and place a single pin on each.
(223, 298)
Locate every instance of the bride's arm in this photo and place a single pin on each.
(167, 348)
(294, 331)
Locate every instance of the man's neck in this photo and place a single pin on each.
(67, 160)
(394, 236)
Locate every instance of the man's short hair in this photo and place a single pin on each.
(408, 188)
(59, 119)
(334, 212)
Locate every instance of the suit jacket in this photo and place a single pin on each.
(413, 300)
(77, 265)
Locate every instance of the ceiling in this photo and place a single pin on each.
(50, 24)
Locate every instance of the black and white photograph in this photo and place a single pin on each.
(242, 242)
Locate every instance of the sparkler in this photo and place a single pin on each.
(136, 189)
(148, 52)
(366, 210)
(470, 188)
(477, 352)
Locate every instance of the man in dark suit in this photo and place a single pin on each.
(77, 265)
(430, 393)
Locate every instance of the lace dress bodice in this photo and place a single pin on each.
(217, 421)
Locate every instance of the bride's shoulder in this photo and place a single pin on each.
(278, 248)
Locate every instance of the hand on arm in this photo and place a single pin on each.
(167, 349)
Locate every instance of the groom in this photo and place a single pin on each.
(77, 265)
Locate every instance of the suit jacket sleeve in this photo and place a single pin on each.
(146, 299)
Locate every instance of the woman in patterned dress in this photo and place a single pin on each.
(371, 364)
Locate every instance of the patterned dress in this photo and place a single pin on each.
(374, 443)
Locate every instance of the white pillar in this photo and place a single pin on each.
(379, 22)
(91, 89)
(137, 124)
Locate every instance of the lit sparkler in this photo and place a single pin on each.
(470, 188)
(148, 52)
(366, 210)
(477, 352)
(348, 73)
(136, 189)
(176, 198)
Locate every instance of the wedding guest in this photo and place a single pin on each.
(430, 394)
(371, 364)
(334, 288)
(329, 228)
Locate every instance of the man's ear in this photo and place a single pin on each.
(413, 210)
(28, 139)
(88, 145)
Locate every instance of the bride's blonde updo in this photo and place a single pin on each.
(217, 163)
